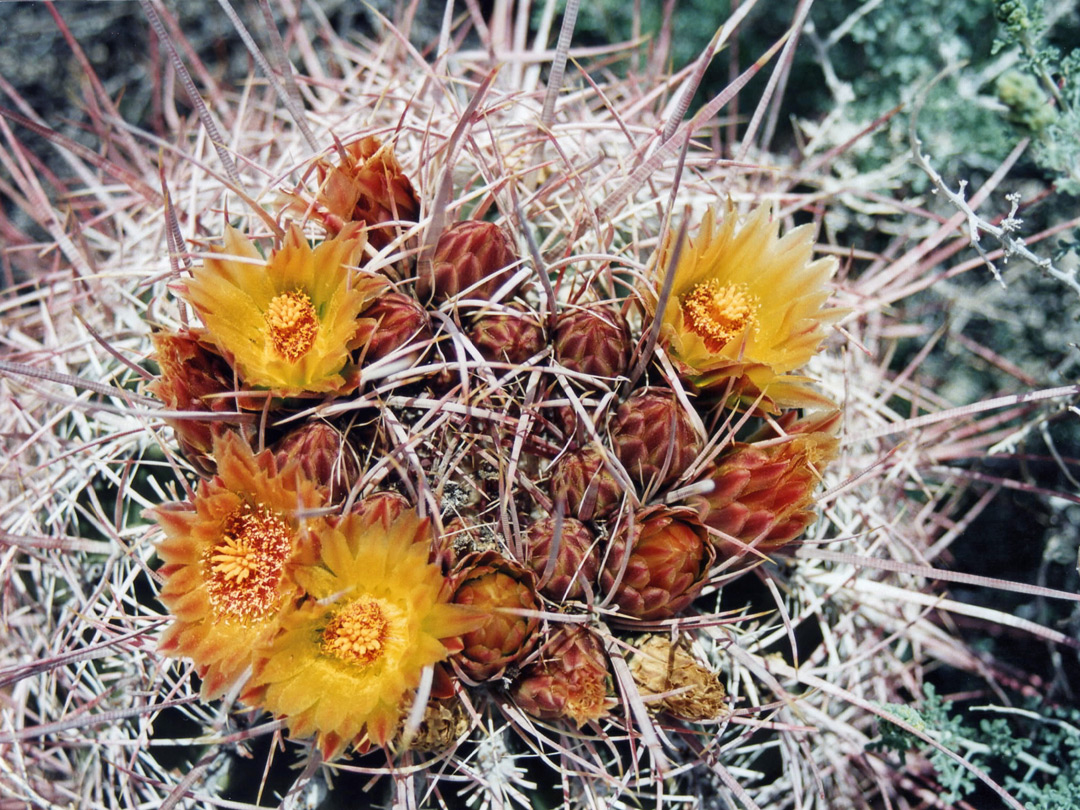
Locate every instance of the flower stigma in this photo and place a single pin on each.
(246, 565)
(357, 633)
(292, 324)
(718, 313)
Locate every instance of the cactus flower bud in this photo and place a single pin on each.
(669, 556)
(392, 321)
(367, 186)
(570, 679)
(654, 438)
(582, 481)
(512, 336)
(491, 584)
(763, 492)
(472, 257)
(593, 340)
(576, 560)
(325, 456)
(193, 378)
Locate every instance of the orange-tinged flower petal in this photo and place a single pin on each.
(346, 659)
(228, 560)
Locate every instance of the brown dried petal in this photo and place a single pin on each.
(658, 667)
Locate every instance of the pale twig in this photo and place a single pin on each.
(1005, 233)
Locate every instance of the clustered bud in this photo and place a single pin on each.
(552, 491)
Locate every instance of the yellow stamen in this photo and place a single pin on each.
(718, 313)
(245, 567)
(292, 324)
(357, 633)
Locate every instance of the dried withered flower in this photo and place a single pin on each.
(691, 691)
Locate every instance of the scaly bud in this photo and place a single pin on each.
(669, 556)
(193, 378)
(472, 257)
(763, 493)
(392, 321)
(593, 340)
(493, 585)
(511, 336)
(581, 481)
(569, 680)
(576, 560)
(654, 438)
(326, 458)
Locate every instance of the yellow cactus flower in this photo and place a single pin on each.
(288, 322)
(745, 307)
(228, 559)
(347, 660)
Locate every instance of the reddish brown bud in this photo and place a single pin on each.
(763, 493)
(384, 507)
(582, 481)
(669, 556)
(576, 562)
(394, 320)
(473, 258)
(325, 458)
(497, 587)
(511, 336)
(654, 437)
(193, 378)
(367, 186)
(593, 340)
(570, 679)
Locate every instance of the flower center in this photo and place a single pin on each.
(357, 633)
(717, 312)
(246, 565)
(292, 323)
